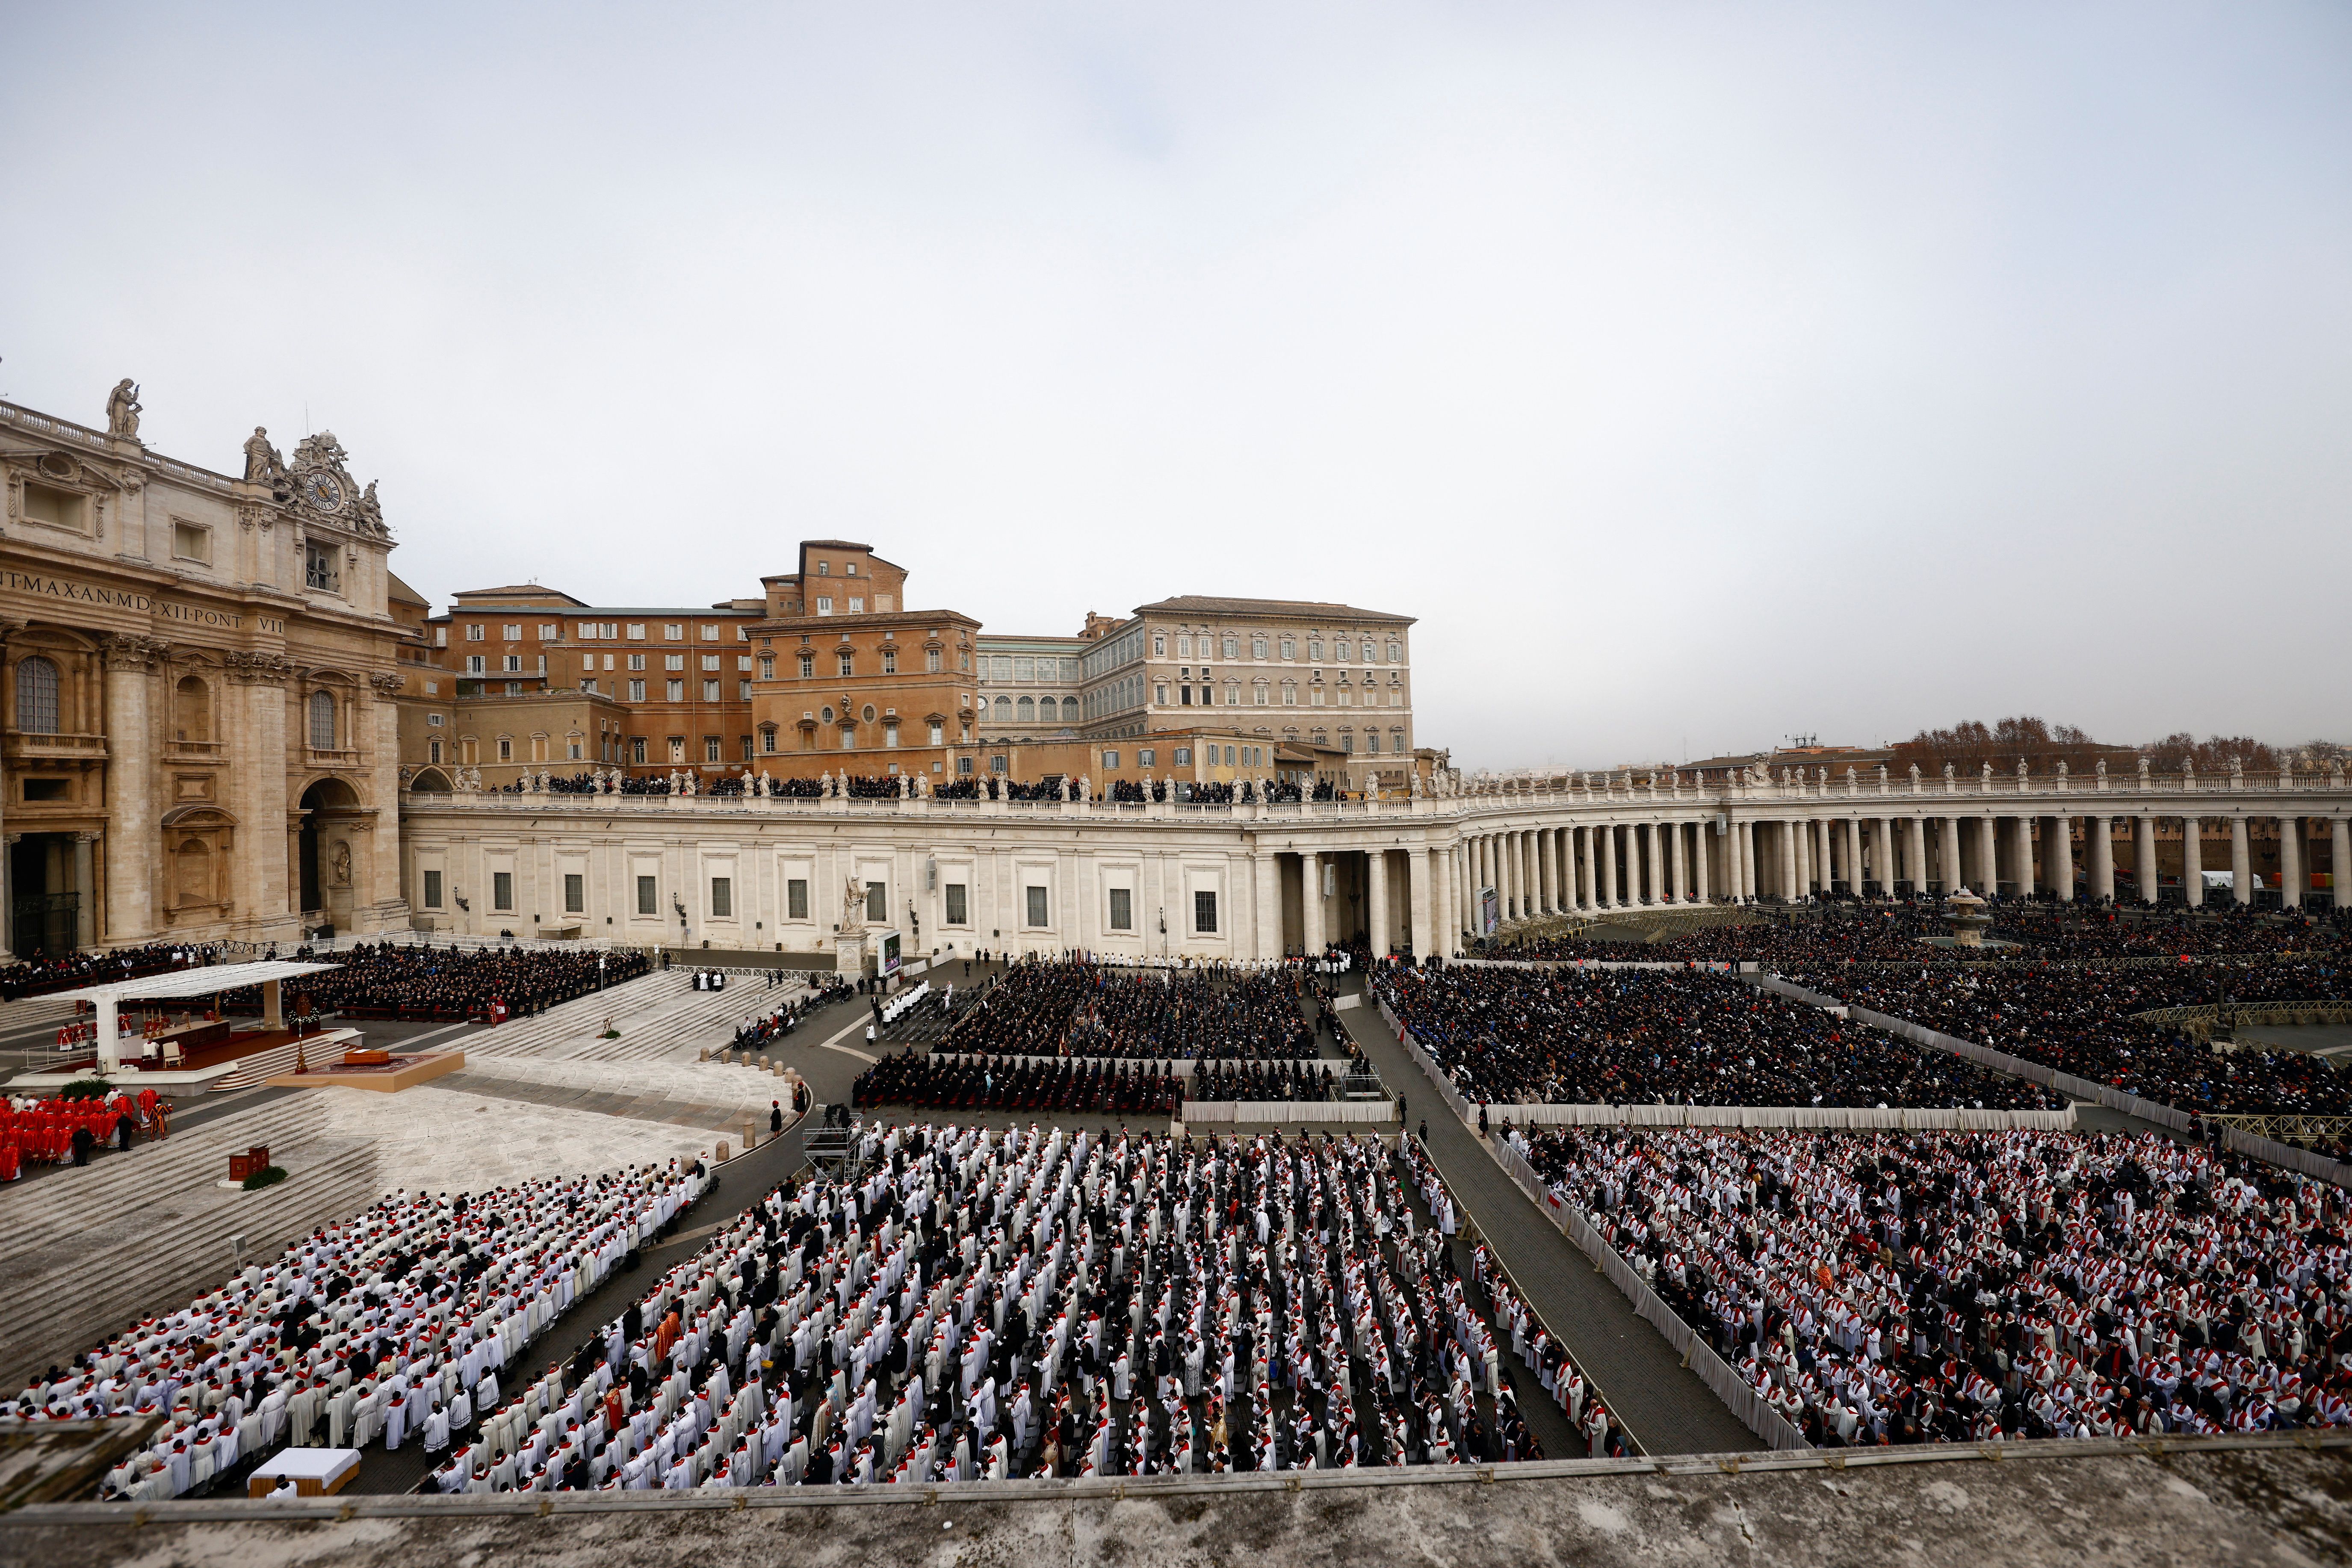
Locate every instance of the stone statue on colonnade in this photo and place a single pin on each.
(853, 907)
(123, 410)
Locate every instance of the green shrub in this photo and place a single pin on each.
(85, 1089)
(267, 1178)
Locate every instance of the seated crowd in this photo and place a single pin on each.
(942, 1082)
(2077, 1019)
(395, 1323)
(989, 1305)
(39, 975)
(1944, 1287)
(1075, 1008)
(401, 981)
(1676, 1037)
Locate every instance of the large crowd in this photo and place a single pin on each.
(399, 981)
(2077, 1019)
(1675, 1037)
(395, 1324)
(42, 973)
(1074, 1008)
(979, 1305)
(942, 1082)
(1937, 1287)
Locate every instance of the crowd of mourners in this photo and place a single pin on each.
(397, 1324)
(1956, 1287)
(40, 975)
(1072, 1007)
(392, 980)
(944, 1082)
(973, 1305)
(1669, 1036)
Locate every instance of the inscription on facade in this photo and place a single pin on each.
(27, 585)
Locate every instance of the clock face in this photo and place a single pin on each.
(322, 490)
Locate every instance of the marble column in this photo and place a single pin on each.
(135, 857)
(2024, 839)
(1947, 851)
(2102, 857)
(1918, 878)
(1853, 846)
(2058, 856)
(1655, 859)
(1609, 865)
(1673, 861)
(1531, 876)
(2144, 857)
(1310, 899)
(2291, 862)
(1375, 900)
(1747, 862)
(85, 891)
(1417, 867)
(1588, 853)
(2339, 861)
(1547, 873)
(1265, 874)
(2241, 862)
(1700, 835)
(2192, 862)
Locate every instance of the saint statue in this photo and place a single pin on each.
(342, 864)
(261, 460)
(123, 410)
(853, 907)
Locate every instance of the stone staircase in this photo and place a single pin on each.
(323, 1049)
(659, 1016)
(89, 1251)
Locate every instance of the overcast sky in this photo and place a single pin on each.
(1697, 376)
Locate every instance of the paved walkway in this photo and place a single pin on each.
(1639, 1377)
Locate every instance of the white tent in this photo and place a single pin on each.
(201, 982)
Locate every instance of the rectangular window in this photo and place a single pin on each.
(636, 691)
(878, 902)
(506, 751)
(709, 662)
(722, 898)
(474, 663)
(514, 663)
(502, 891)
(1037, 911)
(513, 632)
(677, 690)
(636, 630)
(824, 604)
(432, 889)
(848, 664)
(931, 660)
(710, 691)
(743, 692)
(190, 542)
(710, 633)
(746, 741)
(856, 605)
(637, 750)
(1204, 913)
(575, 893)
(1110, 759)
(473, 633)
(808, 666)
(743, 664)
(1257, 647)
(636, 661)
(549, 631)
(674, 631)
(1183, 756)
(1122, 909)
(796, 899)
(648, 903)
(711, 748)
(1146, 756)
(673, 661)
(889, 661)
(433, 749)
(938, 733)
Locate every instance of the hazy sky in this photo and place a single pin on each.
(1698, 376)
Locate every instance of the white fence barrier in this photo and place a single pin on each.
(1373, 1111)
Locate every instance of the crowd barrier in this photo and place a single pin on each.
(1754, 1411)
(1857, 1119)
(1196, 1112)
(1718, 966)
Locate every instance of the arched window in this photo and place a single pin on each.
(1069, 710)
(1028, 711)
(191, 710)
(1004, 711)
(36, 697)
(322, 720)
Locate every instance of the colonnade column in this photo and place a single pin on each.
(2024, 838)
(1266, 876)
(2102, 857)
(1609, 865)
(2144, 857)
(2241, 862)
(1376, 902)
(1699, 833)
(1676, 867)
(1784, 833)
(1588, 861)
(1655, 860)
(2339, 860)
(1419, 863)
(1311, 901)
(1545, 886)
(1920, 857)
(1747, 862)
(1530, 875)
(2058, 858)
(2192, 863)
(1825, 845)
(1948, 851)
(2291, 862)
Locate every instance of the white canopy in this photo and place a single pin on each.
(197, 982)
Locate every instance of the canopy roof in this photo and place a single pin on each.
(198, 982)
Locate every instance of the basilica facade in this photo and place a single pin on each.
(196, 679)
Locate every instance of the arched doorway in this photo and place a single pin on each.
(326, 854)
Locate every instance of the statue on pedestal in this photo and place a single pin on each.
(853, 907)
(123, 410)
(262, 462)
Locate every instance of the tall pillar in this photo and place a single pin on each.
(1785, 832)
(1375, 900)
(2024, 841)
(2102, 857)
(1588, 864)
(2192, 862)
(2291, 862)
(1700, 833)
(1530, 875)
(1609, 899)
(1266, 876)
(1948, 852)
(1310, 901)
(1853, 826)
(85, 891)
(1747, 862)
(1654, 858)
(1988, 856)
(1547, 870)
(2339, 861)
(1418, 866)
(2241, 862)
(1677, 889)
(1511, 884)
(135, 861)
(1918, 878)
(2058, 856)
(2144, 857)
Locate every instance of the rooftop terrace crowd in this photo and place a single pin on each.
(1676, 1037)
(1075, 1008)
(1938, 1286)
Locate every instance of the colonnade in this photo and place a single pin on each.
(1733, 857)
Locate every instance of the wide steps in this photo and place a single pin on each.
(580, 1021)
